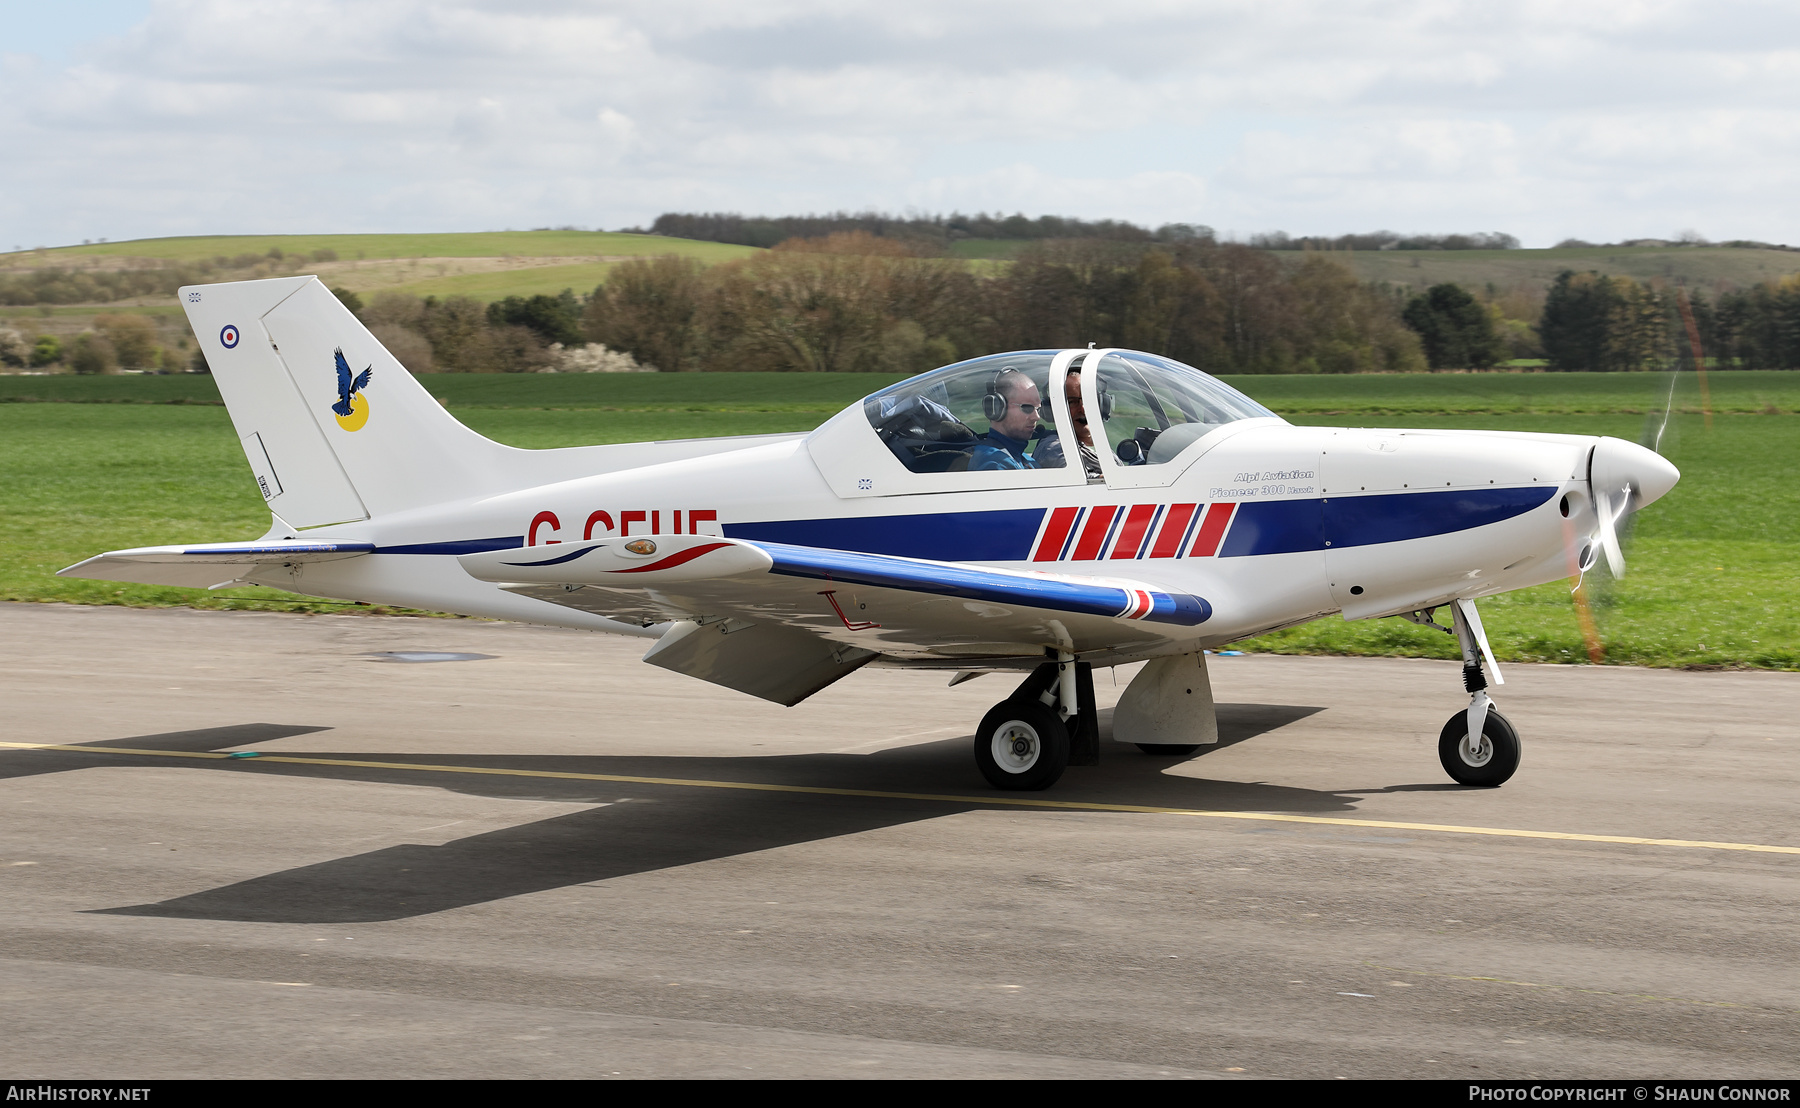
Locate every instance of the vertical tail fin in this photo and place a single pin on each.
(333, 426)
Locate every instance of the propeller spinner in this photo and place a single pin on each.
(1623, 477)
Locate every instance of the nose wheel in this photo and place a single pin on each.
(1484, 760)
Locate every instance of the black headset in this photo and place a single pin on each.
(994, 403)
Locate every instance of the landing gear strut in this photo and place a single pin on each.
(1047, 724)
(1478, 746)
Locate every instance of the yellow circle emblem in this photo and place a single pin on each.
(359, 414)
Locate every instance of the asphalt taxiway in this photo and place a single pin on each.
(551, 860)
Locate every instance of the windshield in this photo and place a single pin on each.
(1153, 408)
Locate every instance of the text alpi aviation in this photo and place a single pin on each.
(1041, 511)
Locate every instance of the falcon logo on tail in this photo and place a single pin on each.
(352, 409)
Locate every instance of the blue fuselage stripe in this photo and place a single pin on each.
(942, 537)
(1292, 526)
(463, 546)
(1259, 527)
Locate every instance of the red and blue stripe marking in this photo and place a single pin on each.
(1114, 532)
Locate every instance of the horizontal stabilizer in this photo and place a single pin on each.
(210, 564)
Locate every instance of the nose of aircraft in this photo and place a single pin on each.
(1617, 463)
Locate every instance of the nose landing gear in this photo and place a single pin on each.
(1478, 746)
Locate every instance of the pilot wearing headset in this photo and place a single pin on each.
(1011, 407)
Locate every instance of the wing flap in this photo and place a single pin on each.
(765, 660)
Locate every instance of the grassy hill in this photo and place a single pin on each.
(1704, 267)
(488, 265)
(479, 244)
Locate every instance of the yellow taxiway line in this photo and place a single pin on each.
(994, 801)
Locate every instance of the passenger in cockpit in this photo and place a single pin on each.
(1049, 453)
(1011, 407)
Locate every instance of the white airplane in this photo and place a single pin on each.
(1040, 512)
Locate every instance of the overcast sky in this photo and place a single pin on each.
(1602, 119)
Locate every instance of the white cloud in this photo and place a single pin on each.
(1605, 119)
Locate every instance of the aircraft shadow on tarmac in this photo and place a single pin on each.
(637, 828)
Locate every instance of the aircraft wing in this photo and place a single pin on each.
(837, 608)
(209, 565)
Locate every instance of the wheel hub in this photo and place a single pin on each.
(1477, 751)
(1016, 747)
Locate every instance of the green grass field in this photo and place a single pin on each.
(1759, 391)
(154, 460)
(822, 393)
(1745, 391)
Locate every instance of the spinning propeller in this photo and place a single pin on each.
(1620, 478)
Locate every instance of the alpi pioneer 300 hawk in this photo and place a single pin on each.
(1043, 511)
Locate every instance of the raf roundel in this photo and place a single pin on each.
(228, 335)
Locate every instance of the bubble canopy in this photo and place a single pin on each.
(961, 417)
(1032, 419)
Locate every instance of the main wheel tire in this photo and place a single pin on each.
(1022, 745)
(1171, 750)
(1488, 764)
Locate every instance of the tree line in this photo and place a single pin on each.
(855, 302)
(1386, 240)
(927, 231)
(850, 302)
(931, 233)
(1596, 322)
(116, 341)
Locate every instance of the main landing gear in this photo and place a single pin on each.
(1477, 746)
(1046, 725)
